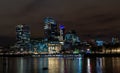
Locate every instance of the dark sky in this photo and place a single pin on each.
(85, 16)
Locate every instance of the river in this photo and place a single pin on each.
(59, 65)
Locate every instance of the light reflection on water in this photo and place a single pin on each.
(59, 65)
(99, 65)
(88, 65)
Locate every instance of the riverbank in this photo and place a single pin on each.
(42, 55)
(59, 55)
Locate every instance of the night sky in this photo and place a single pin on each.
(87, 17)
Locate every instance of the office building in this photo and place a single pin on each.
(50, 29)
(23, 37)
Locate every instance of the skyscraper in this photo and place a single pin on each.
(62, 32)
(23, 37)
(50, 28)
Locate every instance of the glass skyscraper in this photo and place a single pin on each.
(23, 37)
(50, 29)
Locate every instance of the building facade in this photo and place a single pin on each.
(50, 29)
(62, 32)
(23, 37)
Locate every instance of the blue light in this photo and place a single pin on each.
(61, 27)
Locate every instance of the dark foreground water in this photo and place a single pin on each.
(59, 65)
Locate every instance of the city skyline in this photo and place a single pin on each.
(59, 36)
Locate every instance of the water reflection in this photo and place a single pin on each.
(5, 65)
(59, 65)
(77, 65)
(20, 67)
(88, 66)
(116, 64)
(35, 66)
(99, 65)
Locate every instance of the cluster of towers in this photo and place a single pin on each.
(54, 39)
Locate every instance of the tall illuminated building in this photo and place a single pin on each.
(62, 32)
(23, 37)
(50, 28)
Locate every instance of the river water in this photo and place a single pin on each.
(59, 65)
